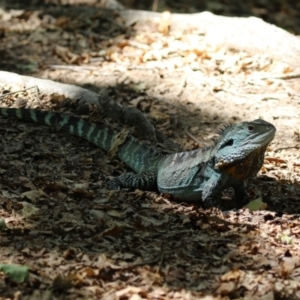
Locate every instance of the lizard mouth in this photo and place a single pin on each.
(263, 139)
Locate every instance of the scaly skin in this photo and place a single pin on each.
(237, 155)
(197, 175)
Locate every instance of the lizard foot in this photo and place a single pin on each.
(113, 185)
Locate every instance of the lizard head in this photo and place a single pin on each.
(243, 145)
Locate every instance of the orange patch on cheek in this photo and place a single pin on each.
(247, 168)
(238, 172)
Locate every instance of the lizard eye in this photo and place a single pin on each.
(250, 127)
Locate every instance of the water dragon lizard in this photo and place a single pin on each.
(197, 175)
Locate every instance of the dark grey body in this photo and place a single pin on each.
(196, 175)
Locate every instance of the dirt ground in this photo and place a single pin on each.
(81, 241)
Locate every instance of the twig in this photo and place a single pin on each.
(285, 148)
(20, 91)
(211, 92)
(291, 76)
(192, 136)
(155, 5)
(36, 90)
(236, 94)
(291, 91)
(80, 69)
(36, 94)
(77, 68)
(262, 96)
(140, 264)
(11, 190)
(162, 256)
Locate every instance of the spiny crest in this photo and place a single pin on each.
(223, 128)
(214, 140)
(220, 132)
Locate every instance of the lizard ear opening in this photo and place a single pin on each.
(250, 127)
(227, 143)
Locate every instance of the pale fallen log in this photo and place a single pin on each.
(12, 82)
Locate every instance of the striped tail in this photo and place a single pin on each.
(136, 155)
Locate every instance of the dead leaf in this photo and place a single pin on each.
(118, 140)
(2, 224)
(99, 214)
(57, 99)
(226, 288)
(141, 86)
(84, 193)
(81, 185)
(287, 265)
(114, 231)
(14, 147)
(56, 186)
(128, 291)
(275, 160)
(165, 23)
(27, 183)
(61, 283)
(175, 274)
(115, 213)
(158, 115)
(135, 297)
(34, 195)
(29, 210)
(90, 272)
(66, 55)
(232, 275)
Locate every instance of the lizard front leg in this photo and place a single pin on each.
(146, 180)
(241, 196)
(216, 183)
(210, 189)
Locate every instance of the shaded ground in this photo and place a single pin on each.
(79, 240)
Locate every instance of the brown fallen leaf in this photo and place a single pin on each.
(34, 195)
(287, 265)
(119, 140)
(61, 283)
(56, 186)
(232, 275)
(114, 231)
(275, 160)
(158, 115)
(14, 147)
(128, 291)
(115, 213)
(90, 272)
(84, 193)
(226, 288)
(27, 183)
(176, 274)
(66, 55)
(29, 209)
